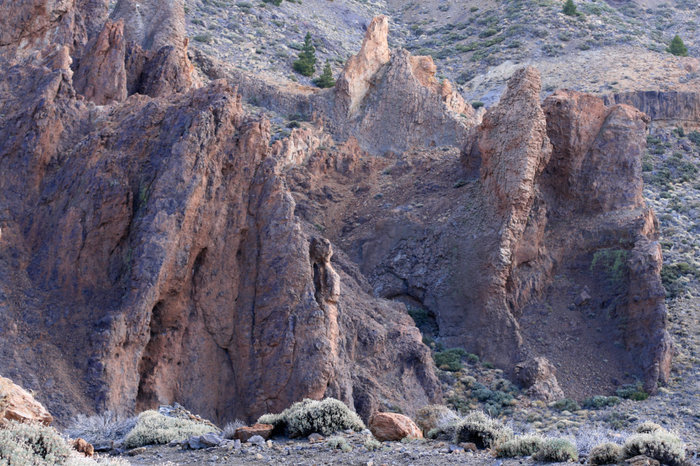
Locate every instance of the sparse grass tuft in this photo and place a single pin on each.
(108, 427)
(231, 427)
(372, 444)
(339, 443)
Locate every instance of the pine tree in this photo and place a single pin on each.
(326, 78)
(677, 47)
(306, 63)
(569, 8)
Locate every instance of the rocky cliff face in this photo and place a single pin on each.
(666, 107)
(147, 215)
(160, 234)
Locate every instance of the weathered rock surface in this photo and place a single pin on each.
(159, 232)
(17, 404)
(190, 260)
(538, 375)
(103, 78)
(665, 107)
(244, 433)
(354, 84)
(393, 427)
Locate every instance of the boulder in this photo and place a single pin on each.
(245, 433)
(393, 427)
(82, 446)
(211, 439)
(538, 375)
(17, 404)
(257, 440)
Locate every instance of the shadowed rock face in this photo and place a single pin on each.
(156, 248)
(159, 234)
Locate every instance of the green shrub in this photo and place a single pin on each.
(494, 400)
(306, 63)
(204, 38)
(600, 401)
(372, 444)
(632, 392)
(607, 453)
(481, 430)
(306, 417)
(525, 445)
(339, 443)
(153, 428)
(566, 404)
(648, 427)
(477, 105)
(694, 137)
(677, 47)
(450, 359)
(32, 444)
(433, 416)
(660, 445)
(569, 8)
(556, 450)
(326, 79)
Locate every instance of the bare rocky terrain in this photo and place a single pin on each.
(496, 207)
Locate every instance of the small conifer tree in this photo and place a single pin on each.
(326, 78)
(306, 63)
(569, 8)
(677, 47)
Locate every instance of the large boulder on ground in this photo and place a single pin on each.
(539, 376)
(17, 404)
(393, 427)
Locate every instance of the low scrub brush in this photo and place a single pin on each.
(32, 444)
(153, 428)
(556, 450)
(481, 430)
(306, 417)
(661, 445)
(607, 453)
(525, 445)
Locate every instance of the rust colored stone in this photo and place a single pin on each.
(244, 433)
(393, 427)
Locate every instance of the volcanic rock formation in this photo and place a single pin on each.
(156, 247)
(159, 233)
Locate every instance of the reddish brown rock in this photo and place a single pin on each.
(244, 433)
(354, 83)
(82, 446)
(102, 78)
(16, 404)
(403, 107)
(538, 375)
(393, 427)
